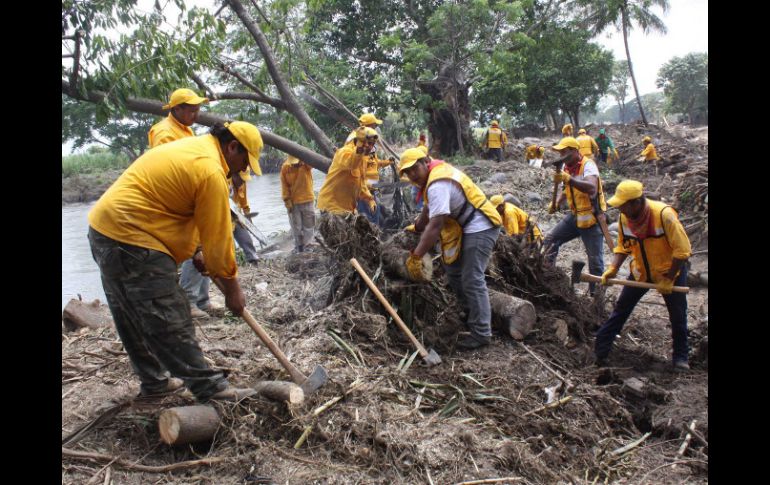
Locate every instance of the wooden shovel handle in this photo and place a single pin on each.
(296, 375)
(635, 284)
(389, 308)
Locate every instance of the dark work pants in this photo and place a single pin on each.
(152, 316)
(496, 154)
(593, 240)
(629, 297)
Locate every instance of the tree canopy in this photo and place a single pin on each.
(685, 82)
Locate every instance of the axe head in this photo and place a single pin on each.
(577, 268)
(315, 380)
(432, 358)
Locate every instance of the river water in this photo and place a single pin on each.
(79, 273)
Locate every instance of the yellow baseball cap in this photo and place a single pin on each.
(184, 96)
(495, 123)
(292, 160)
(497, 200)
(647, 138)
(368, 119)
(626, 190)
(567, 142)
(410, 157)
(248, 136)
(581, 131)
(423, 148)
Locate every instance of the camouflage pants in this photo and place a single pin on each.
(152, 316)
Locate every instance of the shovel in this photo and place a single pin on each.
(429, 356)
(308, 384)
(578, 276)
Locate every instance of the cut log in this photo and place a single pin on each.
(512, 315)
(280, 391)
(188, 424)
(78, 314)
(394, 260)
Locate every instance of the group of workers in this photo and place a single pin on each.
(494, 140)
(171, 207)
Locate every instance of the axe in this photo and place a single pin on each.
(578, 276)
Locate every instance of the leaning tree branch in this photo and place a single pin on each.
(228, 70)
(151, 106)
(292, 105)
(203, 86)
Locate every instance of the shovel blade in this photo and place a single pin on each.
(432, 358)
(315, 380)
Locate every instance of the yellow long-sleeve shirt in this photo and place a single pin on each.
(165, 196)
(496, 138)
(296, 182)
(345, 183)
(649, 153)
(166, 130)
(515, 221)
(588, 145)
(534, 151)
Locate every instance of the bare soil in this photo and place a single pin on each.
(391, 419)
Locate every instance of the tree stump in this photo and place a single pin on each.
(78, 314)
(188, 424)
(512, 315)
(280, 391)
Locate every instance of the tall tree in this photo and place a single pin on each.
(623, 15)
(685, 82)
(619, 87)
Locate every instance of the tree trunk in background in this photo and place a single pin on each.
(624, 19)
(325, 145)
(449, 126)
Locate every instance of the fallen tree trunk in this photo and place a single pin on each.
(150, 106)
(78, 314)
(188, 424)
(512, 315)
(394, 261)
(280, 391)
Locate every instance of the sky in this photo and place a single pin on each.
(686, 21)
(687, 24)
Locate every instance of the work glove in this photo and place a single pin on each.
(372, 206)
(414, 267)
(410, 228)
(665, 286)
(289, 204)
(611, 272)
(561, 176)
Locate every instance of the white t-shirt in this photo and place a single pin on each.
(590, 168)
(447, 198)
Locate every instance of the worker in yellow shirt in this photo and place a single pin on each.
(534, 155)
(140, 230)
(515, 220)
(566, 130)
(494, 140)
(345, 183)
(588, 146)
(184, 108)
(648, 154)
(297, 195)
(650, 232)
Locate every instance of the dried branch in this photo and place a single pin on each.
(84, 455)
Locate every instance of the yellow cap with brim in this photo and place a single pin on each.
(581, 131)
(497, 200)
(647, 138)
(248, 136)
(292, 160)
(368, 119)
(423, 148)
(410, 157)
(625, 191)
(494, 123)
(567, 142)
(184, 96)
